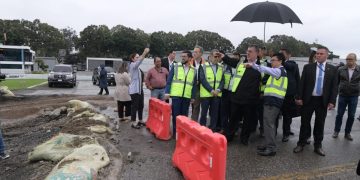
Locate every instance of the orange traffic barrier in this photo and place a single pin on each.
(158, 120)
(200, 154)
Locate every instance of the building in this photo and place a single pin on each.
(16, 59)
(49, 61)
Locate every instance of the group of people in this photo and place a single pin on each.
(241, 94)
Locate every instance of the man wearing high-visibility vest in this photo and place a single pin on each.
(245, 88)
(225, 102)
(211, 83)
(180, 87)
(274, 94)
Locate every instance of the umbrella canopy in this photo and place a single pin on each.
(267, 12)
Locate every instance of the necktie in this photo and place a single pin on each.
(319, 79)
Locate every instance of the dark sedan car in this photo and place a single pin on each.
(110, 76)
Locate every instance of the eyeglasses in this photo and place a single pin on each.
(349, 59)
(216, 56)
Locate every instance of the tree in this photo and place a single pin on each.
(242, 47)
(208, 40)
(46, 40)
(41, 64)
(70, 39)
(95, 41)
(127, 41)
(162, 42)
(157, 43)
(297, 48)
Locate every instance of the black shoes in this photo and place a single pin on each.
(244, 142)
(319, 151)
(298, 149)
(4, 156)
(265, 151)
(348, 137)
(141, 123)
(135, 126)
(285, 138)
(261, 148)
(335, 135)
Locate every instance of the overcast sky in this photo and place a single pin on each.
(335, 24)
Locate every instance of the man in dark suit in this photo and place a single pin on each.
(168, 62)
(317, 92)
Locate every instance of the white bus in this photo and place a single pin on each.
(16, 59)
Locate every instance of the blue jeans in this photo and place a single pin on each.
(180, 106)
(351, 103)
(158, 93)
(213, 104)
(2, 146)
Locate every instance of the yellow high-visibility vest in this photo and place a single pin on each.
(262, 85)
(182, 83)
(276, 87)
(227, 78)
(213, 80)
(235, 80)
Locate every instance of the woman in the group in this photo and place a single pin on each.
(121, 95)
(135, 89)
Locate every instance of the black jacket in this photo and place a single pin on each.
(248, 90)
(293, 75)
(307, 84)
(346, 87)
(165, 63)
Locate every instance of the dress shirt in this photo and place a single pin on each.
(316, 78)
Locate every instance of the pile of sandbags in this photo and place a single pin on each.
(78, 156)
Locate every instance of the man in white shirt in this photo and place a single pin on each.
(317, 93)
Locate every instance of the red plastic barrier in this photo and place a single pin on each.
(158, 120)
(200, 154)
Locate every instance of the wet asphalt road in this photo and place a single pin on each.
(242, 162)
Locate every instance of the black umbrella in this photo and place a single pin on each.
(267, 12)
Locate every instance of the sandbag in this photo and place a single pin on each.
(4, 91)
(83, 163)
(98, 117)
(100, 129)
(59, 146)
(77, 106)
(84, 114)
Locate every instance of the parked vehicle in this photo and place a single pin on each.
(110, 76)
(62, 74)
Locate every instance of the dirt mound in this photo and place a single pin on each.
(24, 126)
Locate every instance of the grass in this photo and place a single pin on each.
(17, 84)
